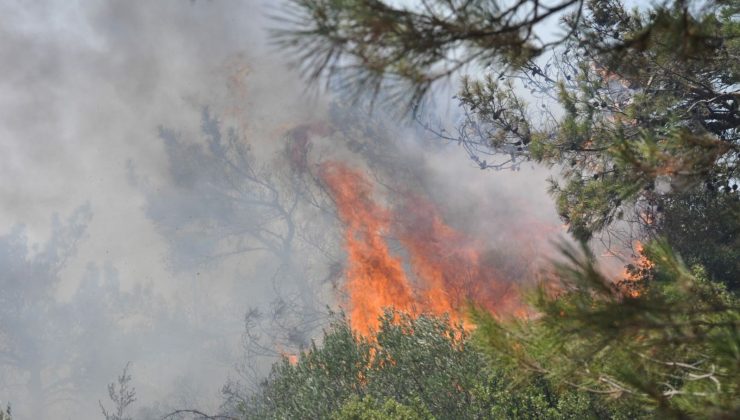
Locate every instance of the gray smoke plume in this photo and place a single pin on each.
(157, 184)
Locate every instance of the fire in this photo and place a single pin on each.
(375, 278)
(631, 274)
(446, 267)
(292, 358)
(448, 264)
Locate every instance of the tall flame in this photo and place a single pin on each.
(375, 278)
(448, 264)
(447, 268)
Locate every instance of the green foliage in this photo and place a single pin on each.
(425, 359)
(647, 97)
(319, 384)
(646, 135)
(412, 361)
(650, 125)
(372, 44)
(704, 228)
(369, 409)
(415, 368)
(673, 346)
(536, 398)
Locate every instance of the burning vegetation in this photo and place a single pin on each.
(635, 274)
(437, 270)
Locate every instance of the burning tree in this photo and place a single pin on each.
(646, 136)
(446, 271)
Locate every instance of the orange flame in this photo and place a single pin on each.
(375, 278)
(292, 358)
(631, 276)
(449, 264)
(447, 268)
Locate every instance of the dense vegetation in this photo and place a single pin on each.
(639, 110)
(412, 368)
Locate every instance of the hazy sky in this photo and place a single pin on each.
(85, 87)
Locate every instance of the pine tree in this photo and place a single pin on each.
(668, 339)
(646, 134)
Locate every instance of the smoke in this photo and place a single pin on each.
(85, 88)
(181, 158)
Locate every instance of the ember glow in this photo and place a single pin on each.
(445, 268)
(631, 274)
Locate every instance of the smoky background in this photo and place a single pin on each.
(159, 202)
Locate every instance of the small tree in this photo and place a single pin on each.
(122, 395)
